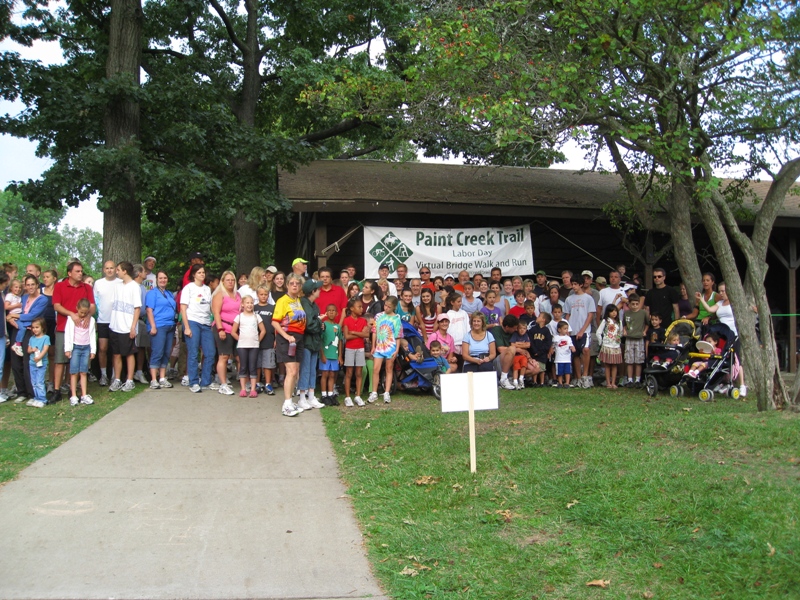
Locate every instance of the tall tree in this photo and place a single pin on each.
(214, 118)
(673, 90)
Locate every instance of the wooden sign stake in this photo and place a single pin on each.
(472, 453)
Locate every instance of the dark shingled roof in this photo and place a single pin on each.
(367, 186)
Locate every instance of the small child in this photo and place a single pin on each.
(331, 355)
(13, 299)
(702, 365)
(655, 333)
(529, 316)
(519, 308)
(436, 354)
(541, 342)
(563, 349)
(670, 352)
(266, 347)
(558, 314)
(521, 343)
(634, 332)
(38, 346)
(80, 348)
(356, 331)
(369, 361)
(493, 313)
(609, 335)
(248, 330)
(388, 329)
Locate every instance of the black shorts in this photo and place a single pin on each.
(579, 342)
(226, 347)
(122, 344)
(282, 349)
(103, 331)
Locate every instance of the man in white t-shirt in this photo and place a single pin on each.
(149, 264)
(613, 294)
(124, 321)
(104, 294)
(579, 311)
(383, 273)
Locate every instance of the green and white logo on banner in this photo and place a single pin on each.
(391, 251)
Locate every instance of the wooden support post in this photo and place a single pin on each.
(793, 264)
(320, 240)
(473, 467)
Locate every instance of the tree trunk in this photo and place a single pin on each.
(760, 360)
(246, 243)
(679, 208)
(122, 221)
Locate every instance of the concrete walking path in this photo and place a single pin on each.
(181, 495)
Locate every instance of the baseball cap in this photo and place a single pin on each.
(589, 273)
(540, 272)
(384, 266)
(442, 317)
(153, 258)
(311, 285)
(271, 269)
(601, 280)
(449, 276)
(195, 255)
(299, 260)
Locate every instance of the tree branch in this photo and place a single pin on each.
(361, 152)
(228, 25)
(338, 129)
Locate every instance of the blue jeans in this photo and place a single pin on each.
(308, 370)
(2, 355)
(79, 361)
(161, 346)
(201, 339)
(38, 375)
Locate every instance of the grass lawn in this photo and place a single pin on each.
(662, 498)
(27, 434)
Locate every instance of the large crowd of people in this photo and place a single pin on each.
(307, 331)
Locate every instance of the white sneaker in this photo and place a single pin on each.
(386, 398)
(316, 403)
(73, 401)
(288, 409)
(215, 386)
(195, 389)
(225, 390)
(185, 381)
(36, 404)
(304, 404)
(348, 402)
(154, 385)
(87, 399)
(743, 391)
(506, 384)
(580, 382)
(103, 380)
(115, 386)
(128, 386)
(359, 401)
(139, 376)
(3, 398)
(297, 407)
(372, 397)
(164, 383)
(521, 383)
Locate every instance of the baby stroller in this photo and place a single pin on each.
(719, 376)
(410, 374)
(666, 364)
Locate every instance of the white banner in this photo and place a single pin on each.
(476, 250)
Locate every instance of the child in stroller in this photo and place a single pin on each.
(415, 368)
(669, 352)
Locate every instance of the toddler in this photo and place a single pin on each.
(80, 348)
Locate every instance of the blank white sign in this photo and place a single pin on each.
(455, 393)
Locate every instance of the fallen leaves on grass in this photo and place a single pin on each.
(573, 503)
(771, 549)
(601, 583)
(657, 565)
(687, 409)
(647, 594)
(506, 514)
(410, 572)
(427, 480)
(457, 487)
(409, 522)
